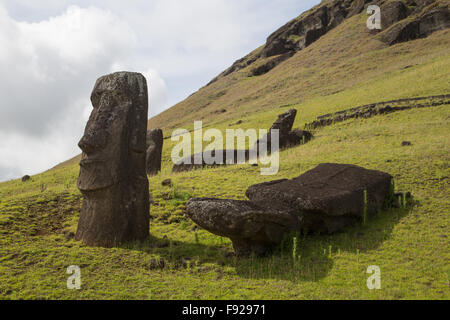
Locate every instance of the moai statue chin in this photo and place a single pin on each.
(112, 177)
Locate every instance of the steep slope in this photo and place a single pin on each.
(324, 51)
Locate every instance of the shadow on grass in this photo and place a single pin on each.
(314, 253)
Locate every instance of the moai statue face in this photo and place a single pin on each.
(111, 128)
(112, 168)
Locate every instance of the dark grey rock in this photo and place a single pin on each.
(25, 178)
(325, 199)
(112, 176)
(250, 228)
(392, 12)
(154, 151)
(431, 19)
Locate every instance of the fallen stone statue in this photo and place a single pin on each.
(112, 176)
(325, 199)
(287, 138)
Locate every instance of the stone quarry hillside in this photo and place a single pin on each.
(326, 50)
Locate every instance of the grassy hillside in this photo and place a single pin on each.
(345, 68)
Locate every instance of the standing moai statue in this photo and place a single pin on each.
(154, 151)
(112, 176)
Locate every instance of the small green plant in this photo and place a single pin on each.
(43, 187)
(365, 208)
(390, 200)
(294, 249)
(197, 241)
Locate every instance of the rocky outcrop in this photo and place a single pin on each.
(269, 64)
(392, 12)
(401, 20)
(325, 199)
(154, 151)
(112, 176)
(433, 18)
(25, 178)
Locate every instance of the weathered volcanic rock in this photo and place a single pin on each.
(250, 227)
(324, 193)
(432, 19)
(271, 63)
(287, 136)
(298, 33)
(392, 12)
(324, 199)
(284, 125)
(297, 136)
(112, 177)
(154, 151)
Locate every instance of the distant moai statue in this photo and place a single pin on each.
(154, 151)
(112, 176)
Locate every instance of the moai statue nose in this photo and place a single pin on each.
(92, 141)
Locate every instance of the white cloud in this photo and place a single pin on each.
(48, 70)
(157, 92)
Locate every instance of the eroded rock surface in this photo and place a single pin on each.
(432, 18)
(112, 176)
(409, 19)
(155, 142)
(326, 192)
(325, 199)
(250, 227)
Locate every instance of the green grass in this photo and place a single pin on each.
(410, 245)
(345, 68)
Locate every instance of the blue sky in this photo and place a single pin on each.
(52, 51)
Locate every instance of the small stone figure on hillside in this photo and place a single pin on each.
(154, 151)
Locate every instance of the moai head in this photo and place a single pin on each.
(112, 176)
(114, 138)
